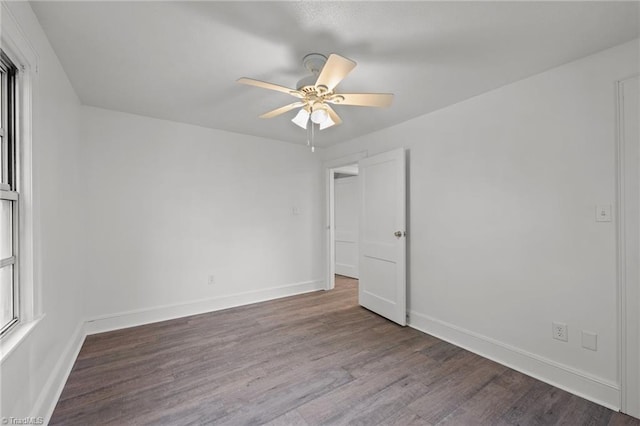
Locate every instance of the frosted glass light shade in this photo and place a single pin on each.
(319, 115)
(302, 118)
(326, 123)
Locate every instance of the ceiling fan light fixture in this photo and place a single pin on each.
(319, 114)
(302, 118)
(327, 123)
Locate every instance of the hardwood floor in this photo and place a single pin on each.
(311, 359)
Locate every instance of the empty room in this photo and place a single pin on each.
(305, 213)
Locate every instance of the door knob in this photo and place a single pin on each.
(398, 234)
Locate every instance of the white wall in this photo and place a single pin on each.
(28, 374)
(503, 238)
(170, 204)
(346, 223)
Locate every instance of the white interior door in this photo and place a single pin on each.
(382, 287)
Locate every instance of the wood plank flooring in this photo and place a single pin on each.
(311, 359)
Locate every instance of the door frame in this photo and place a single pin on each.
(628, 334)
(330, 227)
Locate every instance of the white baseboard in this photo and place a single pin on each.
(162, 313)
(48, 398)
(559, 375)
(347, 270)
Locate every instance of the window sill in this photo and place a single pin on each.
(16, 336)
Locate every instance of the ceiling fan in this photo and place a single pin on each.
(316, 91)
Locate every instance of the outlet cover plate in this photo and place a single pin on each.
(560, 331)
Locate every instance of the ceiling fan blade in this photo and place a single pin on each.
(335, 69)
(363, 99)
(270, 86)
(281, 110)
(332, 114)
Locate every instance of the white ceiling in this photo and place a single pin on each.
(179, 60)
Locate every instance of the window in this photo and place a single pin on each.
(9, 289)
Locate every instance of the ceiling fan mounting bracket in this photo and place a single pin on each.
(314, 62)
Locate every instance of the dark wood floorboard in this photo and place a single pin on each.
(312, 359)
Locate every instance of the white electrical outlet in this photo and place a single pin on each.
(560, 331)
(212, 280)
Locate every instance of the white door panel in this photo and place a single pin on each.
(382, 286)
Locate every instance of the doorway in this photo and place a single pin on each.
(345, 221)
(342, 166)
(380, 202)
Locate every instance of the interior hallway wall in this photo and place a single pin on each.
(346, 223)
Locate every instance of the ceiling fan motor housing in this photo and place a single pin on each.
(307, 84)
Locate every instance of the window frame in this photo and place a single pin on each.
(9, 185)
(21, 52)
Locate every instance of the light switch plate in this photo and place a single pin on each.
(603, 213)
(589, 340)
